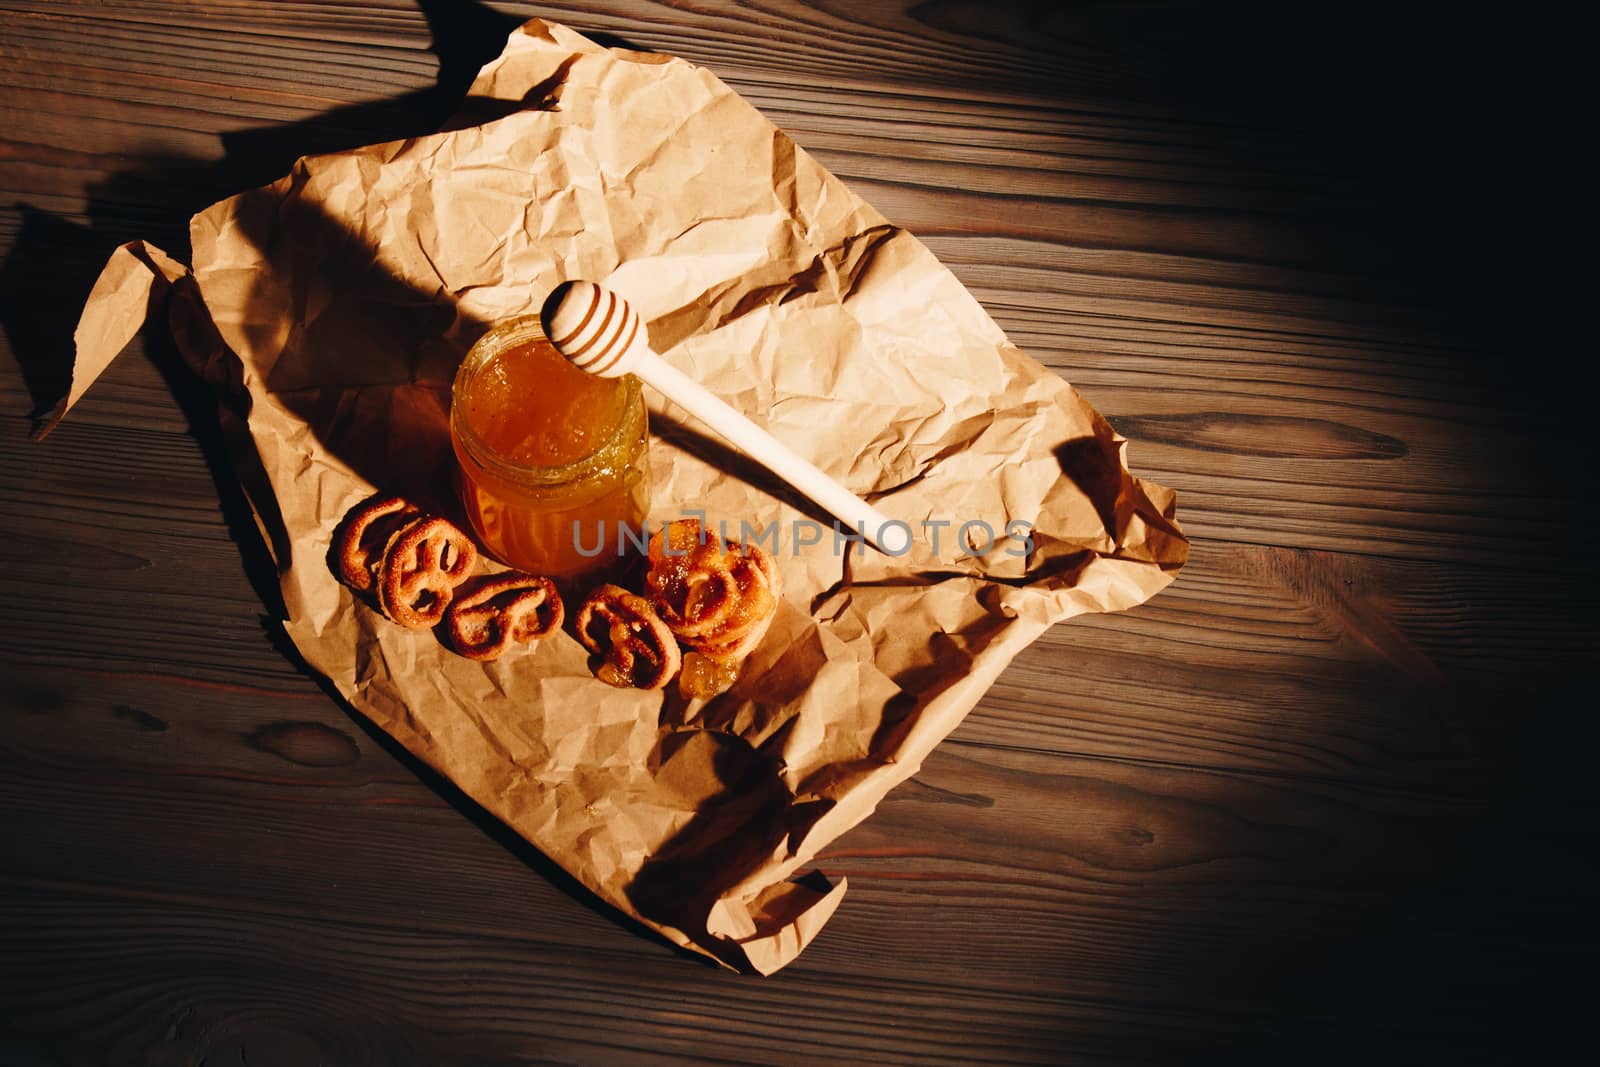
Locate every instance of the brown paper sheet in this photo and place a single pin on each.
(343, 297)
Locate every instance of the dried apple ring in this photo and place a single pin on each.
(360, 541)
(421, 568)
(638, 650)
(486, 618)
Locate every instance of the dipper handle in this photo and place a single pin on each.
(600, 333)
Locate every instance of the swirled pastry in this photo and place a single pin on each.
(717, 596)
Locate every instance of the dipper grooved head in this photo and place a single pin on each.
(594, 328)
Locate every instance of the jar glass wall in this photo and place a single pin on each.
(552, 462)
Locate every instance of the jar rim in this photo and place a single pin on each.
(611, 457)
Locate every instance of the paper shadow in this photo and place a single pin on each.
(742, 813)
(729, 460)
(49, 257)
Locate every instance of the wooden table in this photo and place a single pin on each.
(1321, 800)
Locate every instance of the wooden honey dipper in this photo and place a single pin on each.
(598, 332)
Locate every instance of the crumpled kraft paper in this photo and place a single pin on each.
(331, 308)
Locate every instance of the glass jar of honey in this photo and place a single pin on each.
(552, 461)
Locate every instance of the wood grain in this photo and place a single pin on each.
(1317, 802)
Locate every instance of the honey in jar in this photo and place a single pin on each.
(552, 461)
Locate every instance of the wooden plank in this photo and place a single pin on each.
(1102, 881)
(372, 993)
